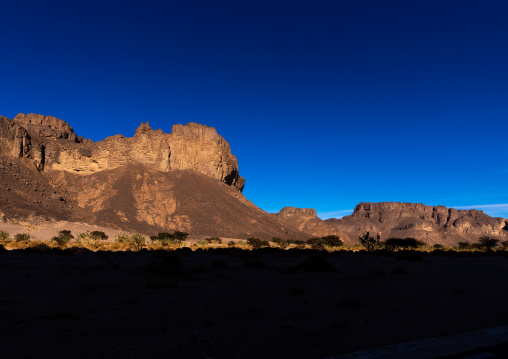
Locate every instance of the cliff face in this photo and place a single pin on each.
(307, 221)
(391, 219)
(406, 216)
(53, 145)
(153, 182)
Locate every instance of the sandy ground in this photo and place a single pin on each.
(141, 305)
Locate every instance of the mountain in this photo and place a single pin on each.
(186, 180)
(433, 225)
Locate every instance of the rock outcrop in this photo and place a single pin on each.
(52, 144)
(153, 182)
(307, 221)
(398, 220)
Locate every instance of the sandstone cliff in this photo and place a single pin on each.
(186, 180)
(391, 219)
(307, 221)
(52, 144)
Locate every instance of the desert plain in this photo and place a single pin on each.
(232, 303)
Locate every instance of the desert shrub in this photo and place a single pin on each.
(88, 241)
(477, 246)
(22, 237)
(257, 243)
(370, 243)
(323, 242)
(438, 246)
(98, 235)
(297, 242)
(488, 243)
(65, 233)
(402, 243)
(122, 238)
(231, 244)
(316, 263)
(137, 241)
(60, 241)
(464, 245)
(213, 240)
(64, 237)
(4, 235)
(332, 241)
(165, 238)
(282, 243)
(504, 244)
(40, 247)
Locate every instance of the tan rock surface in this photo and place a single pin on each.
(53, 145)
(393, 219)
(187, 180)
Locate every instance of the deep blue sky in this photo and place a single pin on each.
(325, 103)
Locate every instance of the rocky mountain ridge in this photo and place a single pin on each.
(53, 145)
(432, 224)
(186, 180)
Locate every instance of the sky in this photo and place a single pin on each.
(326, 104)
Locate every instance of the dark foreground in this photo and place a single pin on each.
(239, 304)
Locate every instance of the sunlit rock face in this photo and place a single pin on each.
(152, 182)
(53, 145)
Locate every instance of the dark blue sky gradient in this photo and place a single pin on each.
(325, 103)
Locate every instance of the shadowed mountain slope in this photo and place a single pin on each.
(433, 225)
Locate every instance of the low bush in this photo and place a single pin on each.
(464, 245)
(22, 237)
(488, 243)
(257, 243)
(98, 235)
(122, 238)
(137, 241)
(297, 242)
(213, 240)
(63, 238)
(166, 239)
(323, 242)
(370, 243)
(402, 243)
(4, 236)
(282, 243)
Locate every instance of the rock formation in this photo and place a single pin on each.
(152, 182)
(398, 220)
(307, 221)
(53, 145)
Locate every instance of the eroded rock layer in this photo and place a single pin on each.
(53, 145)
(399, 220)
(187, 180)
